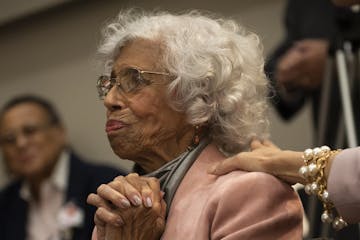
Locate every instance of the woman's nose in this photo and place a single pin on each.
(114, 100)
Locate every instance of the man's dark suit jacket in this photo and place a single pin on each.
(84, 178)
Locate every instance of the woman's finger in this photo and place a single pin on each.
(226, 166)
(110, 193)
(97, 201)
(104, 216)
(256, 143)
(152, 192)
(128, 190)
(143, 190)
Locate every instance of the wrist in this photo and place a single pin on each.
(288, 165)
(328, 165)
(317, 162)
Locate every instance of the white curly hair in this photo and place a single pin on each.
(220, 81)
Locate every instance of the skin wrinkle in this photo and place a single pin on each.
(191, 57)
(155, 132)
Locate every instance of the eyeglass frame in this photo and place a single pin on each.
(104, 90)
(28, 131)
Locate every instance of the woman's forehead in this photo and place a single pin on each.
(141, 53)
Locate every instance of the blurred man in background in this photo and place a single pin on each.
(48, 198)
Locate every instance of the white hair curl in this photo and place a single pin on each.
(219, 67)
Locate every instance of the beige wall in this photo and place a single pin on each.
(52, 55)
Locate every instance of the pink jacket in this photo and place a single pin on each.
(344, 184)
(239, 205)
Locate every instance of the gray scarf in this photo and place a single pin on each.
(172, 173)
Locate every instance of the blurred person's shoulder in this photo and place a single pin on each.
(9, 193)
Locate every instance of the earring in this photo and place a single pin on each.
(196, 138)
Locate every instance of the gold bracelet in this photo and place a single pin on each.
(315, 161)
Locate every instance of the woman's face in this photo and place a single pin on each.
(141, 126)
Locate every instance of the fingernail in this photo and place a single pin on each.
(148, 202)
(137, 200)
(125, 203)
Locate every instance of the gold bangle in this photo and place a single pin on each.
(315, 161)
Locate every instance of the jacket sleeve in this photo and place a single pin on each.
(256, 206)
(344, 184)
(304, 19)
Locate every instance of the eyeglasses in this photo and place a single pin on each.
(28, 131)
(129, 80)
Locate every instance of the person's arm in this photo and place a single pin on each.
(264, 157)
(342, 172)
(287, 103)
(296, 67)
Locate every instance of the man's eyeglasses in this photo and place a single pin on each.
(27, 131)
(129, 80)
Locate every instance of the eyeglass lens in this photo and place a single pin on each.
(128, 80)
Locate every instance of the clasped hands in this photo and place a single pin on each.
(130, 207)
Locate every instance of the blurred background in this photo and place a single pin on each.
(47, 47)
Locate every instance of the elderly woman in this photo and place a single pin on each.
(182, 92)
